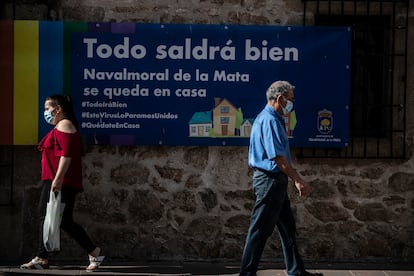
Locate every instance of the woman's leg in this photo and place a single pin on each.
(40, 261)
(69, 225)
(44, 199)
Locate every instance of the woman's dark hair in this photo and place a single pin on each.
(65, 103)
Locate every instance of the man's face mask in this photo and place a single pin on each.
(288, 107)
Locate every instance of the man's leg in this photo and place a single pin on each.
(270, 194)
(287, 231)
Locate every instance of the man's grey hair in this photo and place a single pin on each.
(278, 88)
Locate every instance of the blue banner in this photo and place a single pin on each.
(160, 84)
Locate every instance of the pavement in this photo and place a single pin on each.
(195, 268)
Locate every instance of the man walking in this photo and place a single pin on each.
(269, 156)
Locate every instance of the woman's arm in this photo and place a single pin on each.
(64, 163)
(66, 126)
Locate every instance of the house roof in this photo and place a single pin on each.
(219, 101)
(201, 117)
(250, 120)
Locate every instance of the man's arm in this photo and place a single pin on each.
(301, 185)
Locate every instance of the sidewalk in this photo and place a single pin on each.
(209, 269)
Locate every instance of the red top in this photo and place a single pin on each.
(56, 144)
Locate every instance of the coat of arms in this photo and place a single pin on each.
(325, 121)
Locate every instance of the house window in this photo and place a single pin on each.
(378, 75)
(224, 120)
(225, 109)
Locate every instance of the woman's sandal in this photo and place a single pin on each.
(94, 263)
(35, 263)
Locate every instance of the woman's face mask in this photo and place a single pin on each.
(49, 118)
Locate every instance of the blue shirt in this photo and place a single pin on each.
(268, 139)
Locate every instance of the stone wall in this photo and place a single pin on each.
(194, 203)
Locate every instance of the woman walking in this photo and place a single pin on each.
(61, 163)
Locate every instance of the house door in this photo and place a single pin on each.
(247, 131)
(224, 130)
(200, 131)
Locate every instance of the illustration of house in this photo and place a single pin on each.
(246, 127)
(200, 124)
(225, 118)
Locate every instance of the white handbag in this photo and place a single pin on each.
(51, 225)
